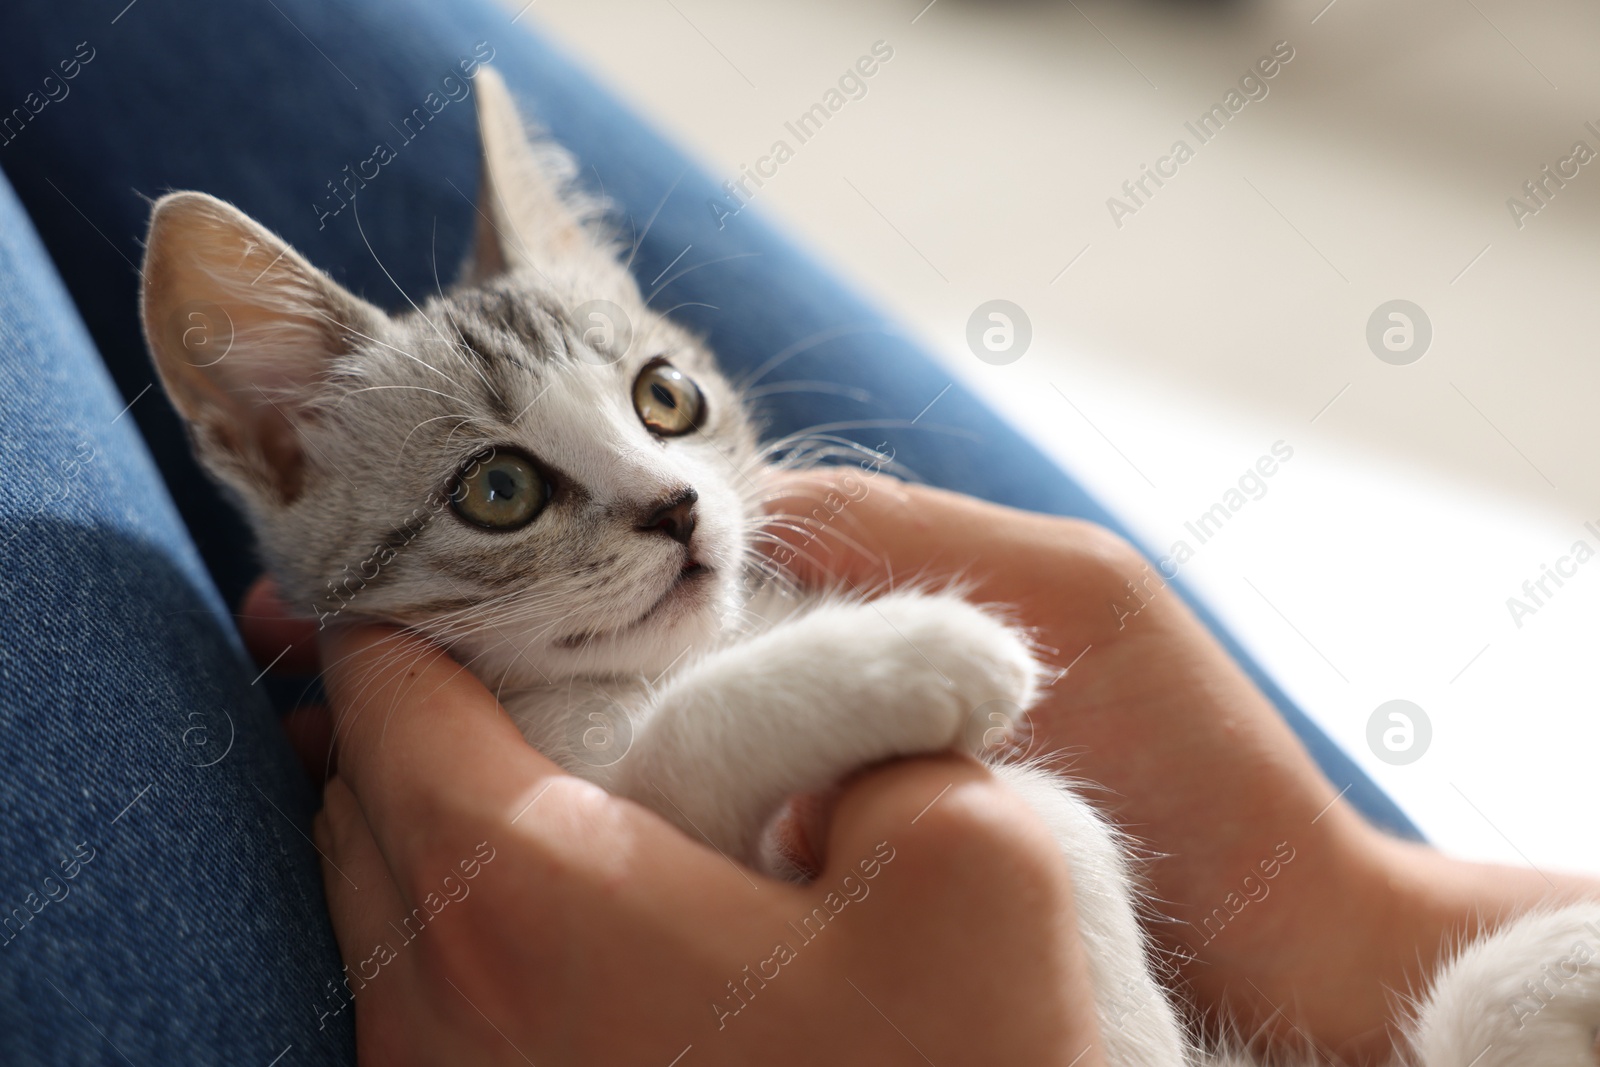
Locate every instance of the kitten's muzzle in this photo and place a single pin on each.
(674, 517)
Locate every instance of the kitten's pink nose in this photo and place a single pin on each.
(674, 516)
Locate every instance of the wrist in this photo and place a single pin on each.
(1300, 951)
(1371, 925)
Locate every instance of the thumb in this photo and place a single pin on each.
(938, 815)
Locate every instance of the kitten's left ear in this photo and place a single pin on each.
(528, 214)
(243, 331)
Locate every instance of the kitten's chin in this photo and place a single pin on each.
(651, 649)
(693, 614)
(691, 593)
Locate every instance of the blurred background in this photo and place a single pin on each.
(1176, 340)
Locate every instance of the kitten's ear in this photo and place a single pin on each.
(243, 331)
(526, 216)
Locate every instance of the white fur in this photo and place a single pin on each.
(1526, 995)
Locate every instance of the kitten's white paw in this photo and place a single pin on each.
(967, 673)
(1528, 995)
(796, 709)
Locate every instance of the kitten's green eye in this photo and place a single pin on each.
(668, 403)
(499, 491)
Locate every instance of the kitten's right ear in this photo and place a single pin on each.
(243, 331)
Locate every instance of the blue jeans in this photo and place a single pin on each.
(162, 901)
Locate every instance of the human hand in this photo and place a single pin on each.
(1198, 764)
(492, 909)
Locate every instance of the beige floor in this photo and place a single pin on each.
(1230, 311)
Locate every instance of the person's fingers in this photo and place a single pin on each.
(273, 633)
(435, 761)
(833, 524)
(372, 922)
(933, 860)
(310, 731)
(362, 896)
(939, 814)
(840, 526)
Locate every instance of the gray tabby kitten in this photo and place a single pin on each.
(555, 483)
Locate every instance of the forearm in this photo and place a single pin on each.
(1328, 937)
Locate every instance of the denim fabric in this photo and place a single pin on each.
(209, 876)
(156, 893)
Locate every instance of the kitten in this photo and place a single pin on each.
(554, 482)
